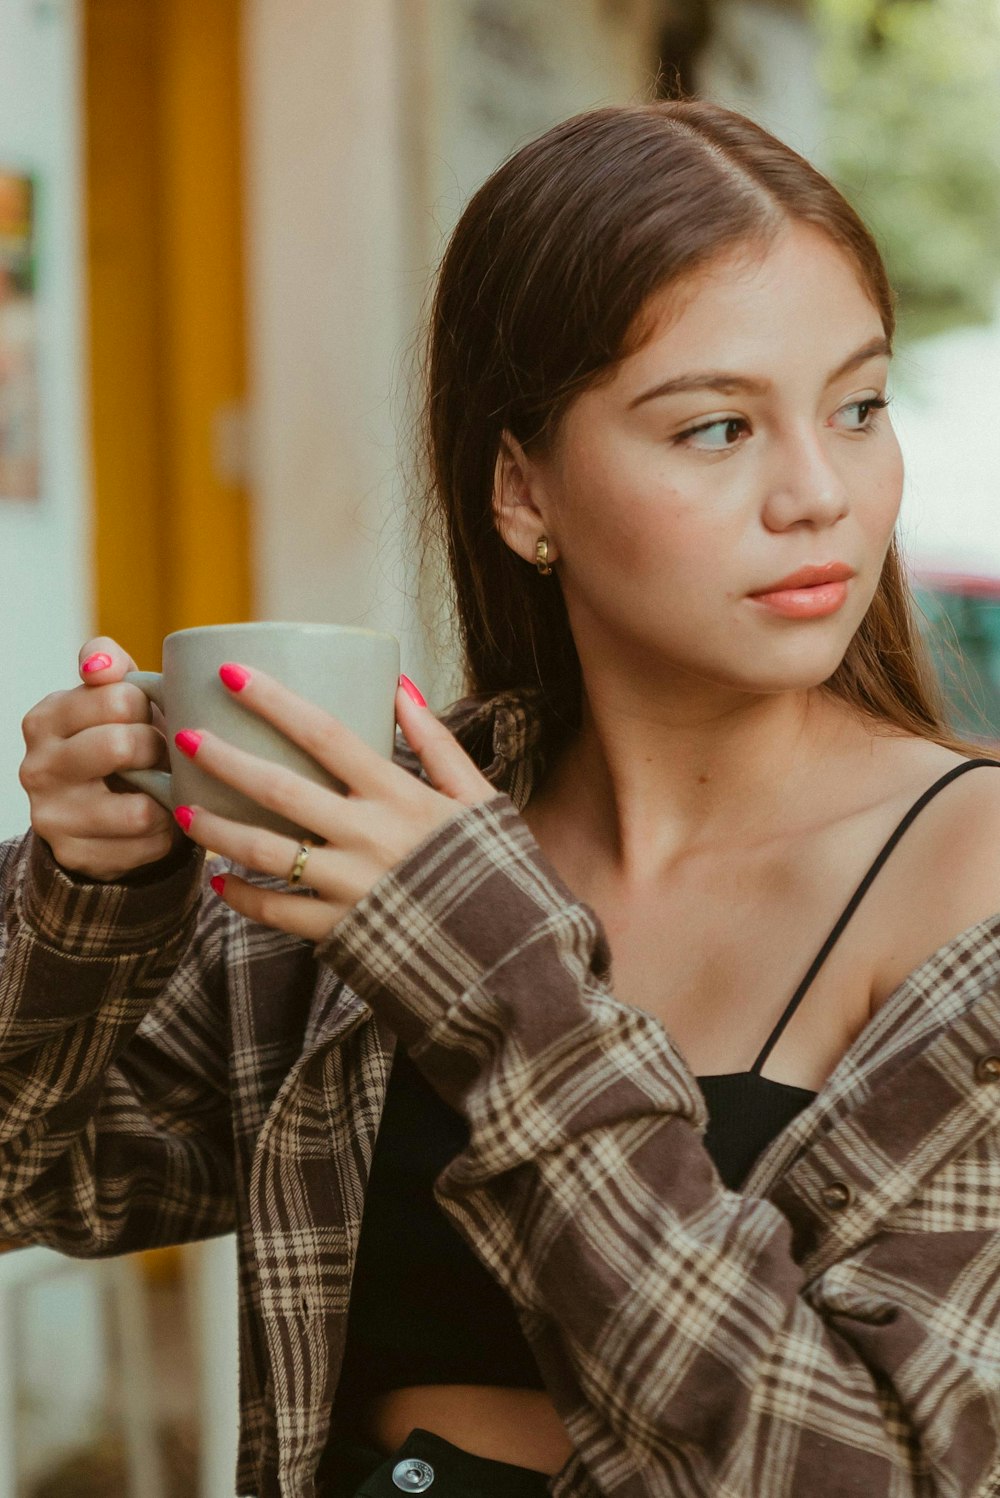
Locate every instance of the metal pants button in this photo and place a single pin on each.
(413, 1475)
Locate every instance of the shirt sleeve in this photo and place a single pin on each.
(685, 1343)
(114, 1125)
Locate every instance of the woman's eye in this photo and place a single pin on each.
(713, 436)
(866, 410)
(725, 432)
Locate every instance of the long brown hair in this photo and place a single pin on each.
(540, 294)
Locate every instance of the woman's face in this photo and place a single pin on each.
(668, 508)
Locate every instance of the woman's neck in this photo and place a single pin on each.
(641, 786)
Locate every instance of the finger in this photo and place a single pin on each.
(449, 768)
(107, 749)
(273, 786)
(117, 702)
(102, 660)
(60, 715)
(311, 919)
(328, 741)
(94, 812)
(254, 847)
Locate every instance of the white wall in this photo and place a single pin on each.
(945, 416)
(45, 600)
(496, 73)
(325, 307)
(44, 546)
(763, 60)
(367, 127)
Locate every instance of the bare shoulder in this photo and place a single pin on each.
(944, 877)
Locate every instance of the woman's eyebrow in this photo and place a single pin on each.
(735, 384)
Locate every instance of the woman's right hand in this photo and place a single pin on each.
(77, 741)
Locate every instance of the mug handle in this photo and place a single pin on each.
(156, 783)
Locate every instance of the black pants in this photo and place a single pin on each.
(425, 1464)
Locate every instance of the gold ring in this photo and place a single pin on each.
(300, 862)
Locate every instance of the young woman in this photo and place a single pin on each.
(623, 1203)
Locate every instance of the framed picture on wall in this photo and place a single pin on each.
(19, 418)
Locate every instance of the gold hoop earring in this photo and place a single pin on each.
(542, 555)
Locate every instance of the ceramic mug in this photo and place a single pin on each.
(349, 673)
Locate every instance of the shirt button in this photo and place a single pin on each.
(988, 1069)
(413, 1475)
(837, 1195)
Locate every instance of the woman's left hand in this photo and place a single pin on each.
(385, 815)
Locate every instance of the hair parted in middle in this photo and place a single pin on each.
(540, 295)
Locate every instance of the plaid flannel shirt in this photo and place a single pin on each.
(169, 1071)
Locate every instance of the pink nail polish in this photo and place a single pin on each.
(235, 677)
(412, 691)
(184, 815)
(99, 662)
(218, 883)
(188, 742)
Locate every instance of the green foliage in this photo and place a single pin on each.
(913, 89)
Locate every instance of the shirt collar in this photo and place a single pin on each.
(502, 733)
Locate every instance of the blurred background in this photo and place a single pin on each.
(219, 221)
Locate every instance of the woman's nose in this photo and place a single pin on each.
(805, 486)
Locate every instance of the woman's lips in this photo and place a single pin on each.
(804, 603)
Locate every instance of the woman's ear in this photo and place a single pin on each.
(516, 513)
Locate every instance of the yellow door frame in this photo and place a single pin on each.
(166, 337)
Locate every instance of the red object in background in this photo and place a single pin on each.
(971, 585)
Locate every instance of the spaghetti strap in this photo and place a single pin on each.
(858, 896)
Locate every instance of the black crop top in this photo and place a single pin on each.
(424, 1310)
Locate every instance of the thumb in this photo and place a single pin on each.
(449, 769)
(103, 660)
